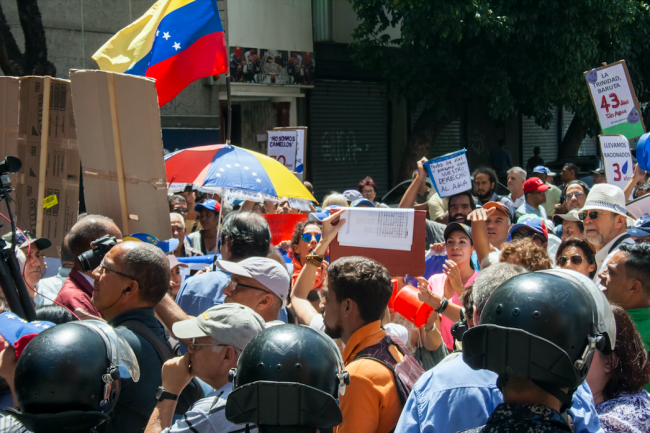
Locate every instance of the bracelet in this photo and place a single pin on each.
(314, 259)
(433, 328)
(443, 306)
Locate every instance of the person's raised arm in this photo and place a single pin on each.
(247, 206)
(411, 194)
(169, 313)
(479, 232)
(304, 309)
(639, 174)
(175, 377)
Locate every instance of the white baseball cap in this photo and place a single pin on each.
(232, 324)
(173, 262)
(607, 197)
(266, 271)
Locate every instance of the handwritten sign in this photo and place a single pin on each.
(282, 146)
(390, 229)
(450, 173)
(614, 99)
(617, 159)
(283, 225)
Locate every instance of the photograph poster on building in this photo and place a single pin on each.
(615, 101)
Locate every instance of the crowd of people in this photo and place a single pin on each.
(538, 317)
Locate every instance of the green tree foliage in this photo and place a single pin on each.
(512, 57)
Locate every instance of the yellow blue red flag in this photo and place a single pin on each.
(176, 42)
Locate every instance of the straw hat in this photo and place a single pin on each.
(606, 197)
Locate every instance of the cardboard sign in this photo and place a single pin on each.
(120, 140)
(615, 101)
(282, 146)
(639, 206)
(450, 173)
(301, 149)
(617, 159)
(283, 225)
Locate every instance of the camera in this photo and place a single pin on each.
(458, 328)
(92, 258)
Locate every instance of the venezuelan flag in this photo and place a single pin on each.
(176, 42)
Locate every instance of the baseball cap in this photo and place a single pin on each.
(572, 215)
(268, 272)
(167, 246)
(452, 227)
(320, 216)
(27, 239)
(598, 171)
(500, 206)
(535, 184)
(173, 262)
(19, 332)
(231, 324)
(533, 223)
(540, 169)
(352, 195)
(550, 173)
(209, 204)
(362, 202)
(641, 227)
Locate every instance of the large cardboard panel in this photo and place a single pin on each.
(61, 174)
(8, 115)
(398, 263)
(138, 133)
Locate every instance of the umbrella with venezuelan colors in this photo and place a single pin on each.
(218, 167)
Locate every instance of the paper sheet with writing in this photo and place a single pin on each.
(388, 229)
(450, 173)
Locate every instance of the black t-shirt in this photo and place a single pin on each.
(533, 162)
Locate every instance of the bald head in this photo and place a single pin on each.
(86, 230)
(148, 265)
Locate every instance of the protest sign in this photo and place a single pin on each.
(450, 173)
(617, 159)
(282, 146)
(614, 99)
(390, 229)
(301, 148)
(639, 206)
(283, 225)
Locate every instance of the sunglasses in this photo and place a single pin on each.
(180, 210)
(575, 194)
(308, 237)
(194, 346)
(575, 259)
(593, 214)
(533, 235)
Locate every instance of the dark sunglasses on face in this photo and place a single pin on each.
(575, 259)
(575, 194)
(593, 214)
(308, 237)
(532, 235)
(180, 210)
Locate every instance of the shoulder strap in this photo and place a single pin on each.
(163, 350)
(618, 242)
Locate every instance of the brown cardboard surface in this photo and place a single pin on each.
(398, 263)
(61, 174)
(138, 132)
(8, 115)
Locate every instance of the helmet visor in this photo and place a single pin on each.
(119, 352)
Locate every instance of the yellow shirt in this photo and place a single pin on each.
(371, 402)
(437, 206)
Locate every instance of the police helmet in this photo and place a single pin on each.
(68, 377)
(297, 372)
(543, 326)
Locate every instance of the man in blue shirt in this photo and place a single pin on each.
(452, 397)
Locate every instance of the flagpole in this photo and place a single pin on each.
(229, 130)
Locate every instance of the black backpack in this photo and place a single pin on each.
(193, 391)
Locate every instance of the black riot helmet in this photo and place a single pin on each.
(543, 326)
(68, 377)
(297, 372)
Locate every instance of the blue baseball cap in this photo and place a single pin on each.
(19, 332)
(643, 152)
(533, 223)
(362, 202)
(352, 195)
(541, 169)
(320, 216)
(210, 204)
(167, 246)
(641, 227)
(28, 238)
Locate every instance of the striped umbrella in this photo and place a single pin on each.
(219, 167)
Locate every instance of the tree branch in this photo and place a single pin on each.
(35, 45)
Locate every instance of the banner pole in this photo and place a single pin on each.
(229, 130)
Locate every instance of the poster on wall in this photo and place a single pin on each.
(614, 99)
(617, 159)
(269, 66)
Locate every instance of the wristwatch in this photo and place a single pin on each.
(161, 395)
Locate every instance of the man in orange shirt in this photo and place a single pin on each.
(355, 296)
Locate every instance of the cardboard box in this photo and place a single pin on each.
(58, 173)
(120, 141)
(9, 95)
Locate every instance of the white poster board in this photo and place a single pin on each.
(282, 146)
(389, 229)
(617, 159)
(300, 151)
(450, 173)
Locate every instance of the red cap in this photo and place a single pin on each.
(535, 184)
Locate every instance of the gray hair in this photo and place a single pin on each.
(489, 279)
(175, 214)
(149, 266)
(520, 172)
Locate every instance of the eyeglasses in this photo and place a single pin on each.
(570, 195)
(103, 266)
(235, 284)
(533, 235)
(194, 346)
(575, 259)
(180, 210)
(367, 191)
(307, 237)
(593, 214)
